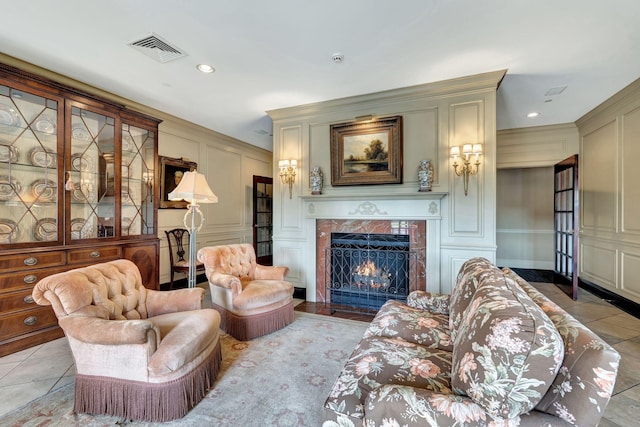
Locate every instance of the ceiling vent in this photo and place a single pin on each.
(157, 48)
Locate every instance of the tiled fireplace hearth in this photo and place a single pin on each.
(414, 215)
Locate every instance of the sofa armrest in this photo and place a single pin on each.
(162, 302)
(110, 332)
(434, 303)
(275, 272)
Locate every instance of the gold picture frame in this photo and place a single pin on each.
(365, 153)
(168, 169)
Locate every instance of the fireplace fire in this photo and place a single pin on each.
(368, 274)
(365, 270)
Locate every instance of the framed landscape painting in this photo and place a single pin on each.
(365, 153)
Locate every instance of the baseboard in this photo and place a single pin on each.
(549, 276)
(535, 275)
(624, 304)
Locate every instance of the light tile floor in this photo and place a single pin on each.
(31, 373)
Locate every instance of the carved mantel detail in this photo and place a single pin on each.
(367, 208)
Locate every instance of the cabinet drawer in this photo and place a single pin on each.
(31, 260)
(26, 321)
(94, 255)
(24, 278)
(19, 300)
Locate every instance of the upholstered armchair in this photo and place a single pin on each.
(140, 354)
(253, 300)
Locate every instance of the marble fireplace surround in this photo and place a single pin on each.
(416, 214)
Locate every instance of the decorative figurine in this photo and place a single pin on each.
(315, 177)
(425, 175)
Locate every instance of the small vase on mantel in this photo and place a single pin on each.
(315, 177)
(425, 175)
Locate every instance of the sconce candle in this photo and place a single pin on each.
(466, 169)
(288, 172)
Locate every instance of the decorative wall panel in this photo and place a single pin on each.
(598, 180)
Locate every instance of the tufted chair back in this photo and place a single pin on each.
(237, 260)
(111, 291)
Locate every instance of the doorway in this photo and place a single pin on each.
(263, 219)
(565, 209)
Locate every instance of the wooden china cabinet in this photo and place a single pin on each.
(77, 187)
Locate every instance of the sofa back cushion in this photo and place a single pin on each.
(472, 272)
(237, 260)
(507, 351)
(111, 290)
(581, 390)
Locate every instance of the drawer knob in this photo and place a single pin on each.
(30, 278)
(31, 261)
(31, 320)
(28, 299)
(95, 254)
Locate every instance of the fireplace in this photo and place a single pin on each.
(365, 270)
(417, 215)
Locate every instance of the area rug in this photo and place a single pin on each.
(281, 379)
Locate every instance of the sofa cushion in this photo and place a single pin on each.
(472, 272)
(507, 351)
(396, 405)
(396, 319)
(379, 360)
(585, 381)
(434, 303)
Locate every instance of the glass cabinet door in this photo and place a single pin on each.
(138, 159)
(91, 173)
(30, 148)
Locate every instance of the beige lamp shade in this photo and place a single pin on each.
(193, 187)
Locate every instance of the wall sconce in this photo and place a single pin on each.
(466, 168)
(288, 172)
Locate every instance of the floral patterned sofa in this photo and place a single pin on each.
(495, 352)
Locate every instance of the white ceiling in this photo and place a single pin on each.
(271, 54)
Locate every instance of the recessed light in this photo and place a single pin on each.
(533, 114)
(205, 68)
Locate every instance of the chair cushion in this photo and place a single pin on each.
(507, 351)
(260, 293)
(184, 335)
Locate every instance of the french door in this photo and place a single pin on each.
(263, 219)
(565, 208)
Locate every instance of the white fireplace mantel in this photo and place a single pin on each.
(398, 206)
(371, 206)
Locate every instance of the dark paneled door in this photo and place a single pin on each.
(565, 209)
(262, 219)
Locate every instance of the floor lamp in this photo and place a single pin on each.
(194, 189)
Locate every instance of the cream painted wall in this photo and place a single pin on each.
(435, 117)
(229, 165)
(610, 194)
(524, 217)
(524, 202)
